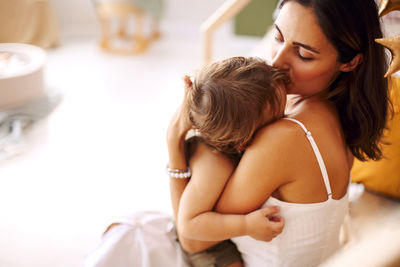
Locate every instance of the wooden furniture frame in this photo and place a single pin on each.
(227, 11)
(121, 11)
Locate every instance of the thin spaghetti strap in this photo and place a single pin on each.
(317, 155)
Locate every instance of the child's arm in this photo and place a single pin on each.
(210, 172)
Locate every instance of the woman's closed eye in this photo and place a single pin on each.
(278, 38)
(278, 34)
(303, 55)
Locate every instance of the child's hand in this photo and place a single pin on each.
(263, 225)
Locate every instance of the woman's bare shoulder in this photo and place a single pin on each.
(279, 134)
(265, 166)
(278, 147)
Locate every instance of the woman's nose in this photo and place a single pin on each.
(279, 58)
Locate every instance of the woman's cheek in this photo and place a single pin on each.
(304, 71)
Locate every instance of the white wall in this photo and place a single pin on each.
(77, 17)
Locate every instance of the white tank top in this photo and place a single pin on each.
(311, 231)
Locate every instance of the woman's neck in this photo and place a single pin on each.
(297, 104)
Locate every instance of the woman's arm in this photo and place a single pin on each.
(264, 167)
(211, 170)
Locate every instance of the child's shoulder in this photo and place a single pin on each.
(199, 151)
(194, 142)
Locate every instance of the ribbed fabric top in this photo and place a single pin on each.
(311, 231)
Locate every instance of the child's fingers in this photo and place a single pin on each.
(275, 218)
(187, 80)
(188, 84)
(278, 225)
(269, 211)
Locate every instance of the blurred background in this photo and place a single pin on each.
(112, 79)
(101, 152)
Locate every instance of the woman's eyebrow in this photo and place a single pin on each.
(277, 28)
(306, 47)
(297, 43)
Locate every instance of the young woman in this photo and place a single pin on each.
(338, 108)
(338, 111)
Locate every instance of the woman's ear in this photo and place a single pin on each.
(350, 66)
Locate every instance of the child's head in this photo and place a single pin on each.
(230, 99)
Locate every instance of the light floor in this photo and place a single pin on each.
(102, 152)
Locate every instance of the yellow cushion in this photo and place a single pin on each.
(384, 176)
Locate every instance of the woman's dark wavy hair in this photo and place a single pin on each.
(361, 96)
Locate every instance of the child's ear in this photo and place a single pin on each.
(350, 66)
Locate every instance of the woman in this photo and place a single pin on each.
(340, 99)
(336, 69)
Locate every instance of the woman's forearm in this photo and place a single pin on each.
(177, 160)
(176, 134)
(211, 175)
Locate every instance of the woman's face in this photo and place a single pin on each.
(301, 48)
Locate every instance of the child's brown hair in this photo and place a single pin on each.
(227, 99)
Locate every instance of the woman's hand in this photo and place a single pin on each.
(180, 123)
(263, 225)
